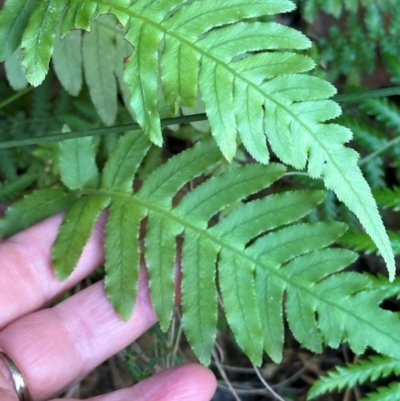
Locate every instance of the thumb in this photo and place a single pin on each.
(7, 391)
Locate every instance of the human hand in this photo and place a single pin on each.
(58, 346)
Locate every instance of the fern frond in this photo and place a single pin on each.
(388, 198)
(369, 137)
(256, 268)
(12, 189)
(390, 290)
(361, 242)
(384, 111)
(358, 373)
(389, 393)
(33, 208)
(215, 49)
(289, 100)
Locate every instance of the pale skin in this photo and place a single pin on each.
(55, 347)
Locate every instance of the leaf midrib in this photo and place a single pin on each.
(205, 233)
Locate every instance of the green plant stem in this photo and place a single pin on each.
(343, 98)
(359, 96)
(298, 173)
(98, 131)
(15, 97)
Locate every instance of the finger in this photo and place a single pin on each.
(57, 347)
(182, 383)
(27, 280)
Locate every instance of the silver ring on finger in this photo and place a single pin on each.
(19, 381)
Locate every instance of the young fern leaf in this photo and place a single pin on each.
(372, 369)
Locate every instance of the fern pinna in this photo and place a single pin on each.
(247, 71)
(255, 251)
(372, 369)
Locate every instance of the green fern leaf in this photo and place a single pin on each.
(222, 65)
(383, 110)
(304, 139)
(354, 374)
(123, 162)
(180, 34)
(334, 307)
(33, 208)
(236, 278)
(123, 50)
(361, 242)
(122, 261)
(254, 218)
(211, 197)
(165, 181)
(199, 206)
(162, 186)
(388, 290)
(160, 235)
(98, 63)
(389, 393)
(358, 241)
(77, 163)
(388, 198)
(361, 306)
(14, 72)
(67, 61)
(74, 233)
(199, 293)
(38, 39)
(285, 243)
(142, 82)
(78, 15)
(12, 189)
(13, 20)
